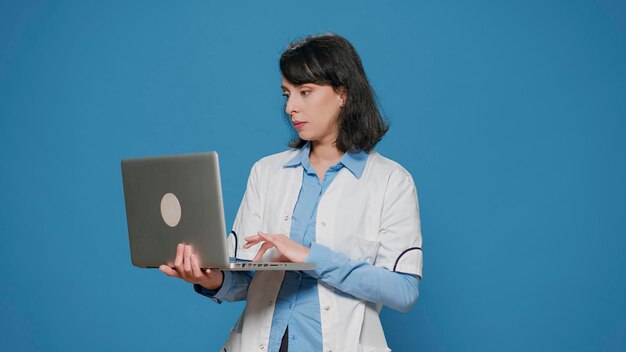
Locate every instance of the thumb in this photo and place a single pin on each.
(169, 271)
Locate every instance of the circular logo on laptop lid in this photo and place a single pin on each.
(170, 209)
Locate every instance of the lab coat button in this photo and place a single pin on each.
(269, 303)
(261, 346)
(286, 217)
(323, 224)
(327, 308)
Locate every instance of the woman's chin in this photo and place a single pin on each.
(305, 136)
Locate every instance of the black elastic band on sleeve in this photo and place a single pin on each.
(236, 244)
(403, 253)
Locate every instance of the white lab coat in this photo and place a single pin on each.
(373, 218)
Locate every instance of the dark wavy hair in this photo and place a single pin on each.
(329, 59)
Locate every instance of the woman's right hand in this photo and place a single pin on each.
(186, 267)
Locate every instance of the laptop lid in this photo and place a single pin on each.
(178, 199)
(174, 199)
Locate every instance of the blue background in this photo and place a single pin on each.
(510, 116)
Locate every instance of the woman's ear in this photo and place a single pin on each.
(341, 91)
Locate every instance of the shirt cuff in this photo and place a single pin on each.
(219, 294)
(321, 256)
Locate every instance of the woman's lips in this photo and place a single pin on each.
(298, 125)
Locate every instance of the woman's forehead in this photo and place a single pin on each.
(285, 84)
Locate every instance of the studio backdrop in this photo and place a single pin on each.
(509, 115)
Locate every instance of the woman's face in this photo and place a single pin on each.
(313, 110)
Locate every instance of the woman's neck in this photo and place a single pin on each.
(323, 156)
(325, 153)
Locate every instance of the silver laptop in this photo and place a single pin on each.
(178, 199)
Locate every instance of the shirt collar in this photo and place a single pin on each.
(353, 161)
(300, 158)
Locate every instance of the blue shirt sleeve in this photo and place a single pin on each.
(234, 287)
(362, 280)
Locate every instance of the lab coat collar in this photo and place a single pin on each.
(352, 160)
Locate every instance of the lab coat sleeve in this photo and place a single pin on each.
(363, 280)
(400, 226)
(248, 219)
(234, 287)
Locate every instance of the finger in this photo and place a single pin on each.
(195, 267)
(179, 256)
(265, 236)
(252, 240)
(169, 271)
(252, 237)
(261, 234)
(262, 250)
(273, 239)
(187, 260)
(287, 247)
(269, 236)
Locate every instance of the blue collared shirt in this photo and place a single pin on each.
(297, 304)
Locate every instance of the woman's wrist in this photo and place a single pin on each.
(215, 281)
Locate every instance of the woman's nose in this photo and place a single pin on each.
(290, 106)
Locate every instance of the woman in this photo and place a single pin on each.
(332, 201)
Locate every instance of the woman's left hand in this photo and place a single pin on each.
(290, 251)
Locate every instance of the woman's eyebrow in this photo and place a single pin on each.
(295, 86)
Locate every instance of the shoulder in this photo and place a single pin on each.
(274, 162)
(388, 176)
(380, 166)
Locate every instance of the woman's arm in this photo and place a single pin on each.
(362, 280)
(215, 284)
(234, 287)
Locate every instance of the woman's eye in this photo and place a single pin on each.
(305, 93)
(285, 95)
